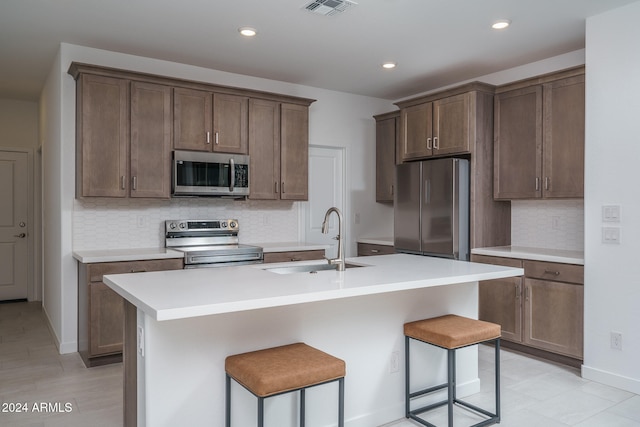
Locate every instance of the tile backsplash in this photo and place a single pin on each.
(132, 223)
(551, 224)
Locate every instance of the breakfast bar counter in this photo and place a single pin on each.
(180, 326)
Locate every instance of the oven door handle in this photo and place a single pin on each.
(232, 172)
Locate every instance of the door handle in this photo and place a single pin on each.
(21, 235)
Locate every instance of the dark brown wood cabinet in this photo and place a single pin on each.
(101, 310)
(205, 121)
(278, 150)
(543, 310)
(387, 139)
(102, 129)
(150, 150)
(369, 249)
(539, 137)
(290, 256)
(436, 128)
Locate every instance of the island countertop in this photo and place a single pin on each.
(181, 294)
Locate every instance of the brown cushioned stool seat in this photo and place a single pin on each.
(284, 369)
(451, 332)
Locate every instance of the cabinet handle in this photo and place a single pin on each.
(517, 291)
(282, 187)
(134, 182)
(429, 144)
(138, 271)
(275, 185)
(392, 189)
(217, 140)
(555, 273)
(546, 182)
(537, 183)
(375, 251)
(296, 259)
(526, 293)
(122, 182)
(208, 137)
(436, 146)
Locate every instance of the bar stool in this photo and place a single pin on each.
(279, 370)
(451, 332)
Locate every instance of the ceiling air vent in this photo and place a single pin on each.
(328, 7)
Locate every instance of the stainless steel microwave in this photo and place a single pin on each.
(197, 173)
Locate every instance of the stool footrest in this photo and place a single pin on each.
(427, 390)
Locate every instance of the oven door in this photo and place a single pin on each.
(222, 264)
(210, 174)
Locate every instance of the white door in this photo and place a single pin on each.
(326, 189)
(13, 225)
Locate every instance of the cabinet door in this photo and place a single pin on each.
(500, 302)
(107, 319)
(230, 123)
(417, 127)
(563, 145)
(554, 316)
(451, 125)
(103, 128)
(150, 140)
(385, 159)
(192, 117)
(294, 152)
(264, 149)
(518, 144)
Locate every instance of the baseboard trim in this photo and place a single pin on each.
(609, 378)
(63, 348)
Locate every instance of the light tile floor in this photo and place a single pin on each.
(534, 392)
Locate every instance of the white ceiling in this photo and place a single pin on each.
(434, 42)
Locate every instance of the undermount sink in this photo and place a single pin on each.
(312, 269)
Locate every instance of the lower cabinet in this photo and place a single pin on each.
(293, 256)
(101, 310)
(368, 249)
(543, 310)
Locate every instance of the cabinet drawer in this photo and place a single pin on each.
(96, 271)
(556, 272)
(293, 256)
(506, 262)
(366, 249)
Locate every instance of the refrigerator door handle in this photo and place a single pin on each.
(427, 191)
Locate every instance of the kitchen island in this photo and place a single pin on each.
(180, 326)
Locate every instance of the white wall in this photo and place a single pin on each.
(612, 272)
(336, 119)
(18, 123)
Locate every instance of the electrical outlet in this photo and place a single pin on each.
(140, 340)
(616, 340)
(394, 362)
(555, 223)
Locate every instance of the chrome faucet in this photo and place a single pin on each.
(339, 261)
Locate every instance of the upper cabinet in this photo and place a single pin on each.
(539, 137)
(128, 123)
(436, 128)
(387, 136)
(210, 122)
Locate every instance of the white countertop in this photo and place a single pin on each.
(114, 255)
(535, 254)
(179, 294)
(385, 241)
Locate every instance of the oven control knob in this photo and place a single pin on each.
(172, 226)
(233, 224)
(223, 224)
(182, 225)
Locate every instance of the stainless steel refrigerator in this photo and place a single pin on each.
(431, 208)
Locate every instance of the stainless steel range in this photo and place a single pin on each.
(210, 243)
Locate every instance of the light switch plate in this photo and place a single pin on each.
(611, 235)
(611, 213)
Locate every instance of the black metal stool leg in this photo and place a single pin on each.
(451, 384)
(497, 368)
(302, 407)
(406, 378)
(341, 402)
(227, 405)
(260, 412)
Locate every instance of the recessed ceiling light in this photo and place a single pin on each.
(501, 24)
(389, 65)
(247, 31)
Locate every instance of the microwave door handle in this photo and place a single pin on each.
(232, 172)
